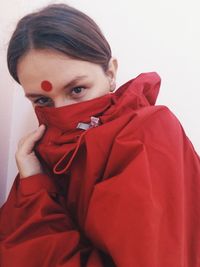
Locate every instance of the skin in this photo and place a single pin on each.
(72, 80)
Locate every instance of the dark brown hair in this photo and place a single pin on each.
(62, 28)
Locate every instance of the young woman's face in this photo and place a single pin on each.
(50, 78)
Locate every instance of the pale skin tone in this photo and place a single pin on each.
(72, 81)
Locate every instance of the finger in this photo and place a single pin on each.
(27, 143)
(35, 133)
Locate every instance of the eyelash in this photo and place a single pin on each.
(46, 98)
(37, 100)
(82, 87)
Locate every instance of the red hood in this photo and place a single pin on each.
(62, 138)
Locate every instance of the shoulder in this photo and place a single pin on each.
(153, 126)
(151, 119)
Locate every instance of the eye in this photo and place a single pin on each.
(43, 101)
(78, 91)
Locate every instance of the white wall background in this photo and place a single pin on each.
(156, 35)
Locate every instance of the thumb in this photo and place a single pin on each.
(33, 138)
(38, 134)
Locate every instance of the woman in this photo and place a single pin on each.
(108, 179)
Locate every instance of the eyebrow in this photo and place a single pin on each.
(70, 84)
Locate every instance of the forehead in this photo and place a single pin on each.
(39, 65)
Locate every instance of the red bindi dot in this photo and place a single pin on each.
(46, 86)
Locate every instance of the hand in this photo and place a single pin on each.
(27, 162)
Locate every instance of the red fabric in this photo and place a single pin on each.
(125, 193)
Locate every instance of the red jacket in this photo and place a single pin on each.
(123, 192)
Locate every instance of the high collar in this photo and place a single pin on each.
(62, 139)
(67, 117)
(136, 93)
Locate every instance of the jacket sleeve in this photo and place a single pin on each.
(36, 230)
(147, 210)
